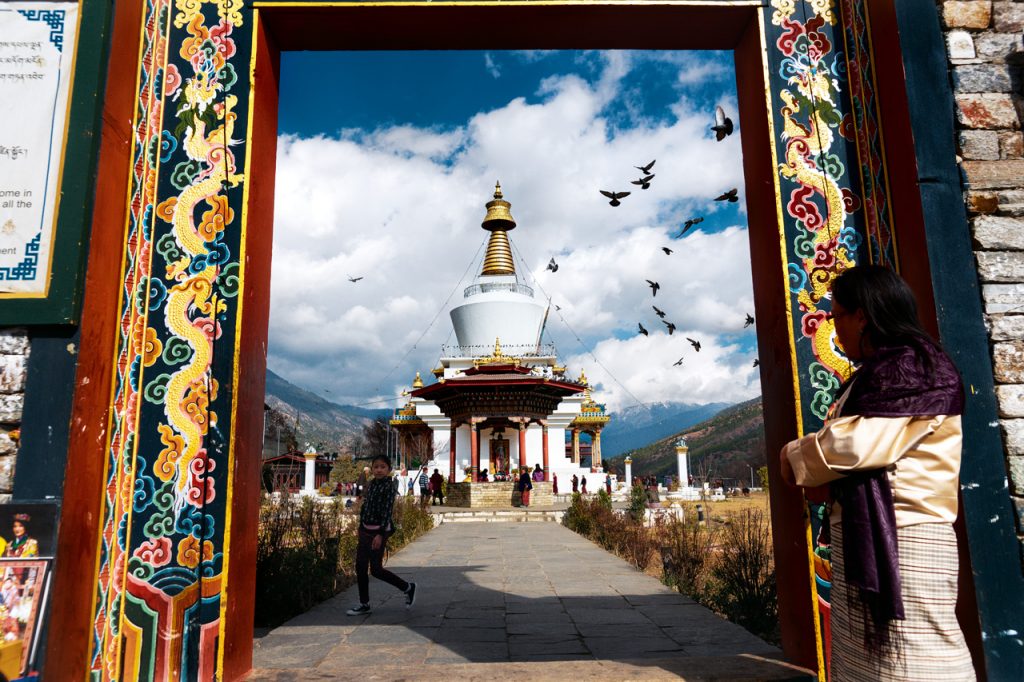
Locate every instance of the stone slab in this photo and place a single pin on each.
(607, 622)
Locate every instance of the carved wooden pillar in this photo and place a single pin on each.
(544, 452)
(522, 445)
(595, 450)
(451, 452)
(576, 446)
(474, 450)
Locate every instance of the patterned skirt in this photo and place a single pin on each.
(931, 646)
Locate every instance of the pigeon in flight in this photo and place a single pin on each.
(668, 251)
(646, 169)
(552, 265)
(642, 330)
(558, 307)
(677, 363)
(659, 312)
(756, 362)
(695, 344)
(750, 321)
(355, 279)
(654, 287)
(729, 196)
(614, 196)
(644, 182)
(690, 223)
(671, 327)
(723, 124)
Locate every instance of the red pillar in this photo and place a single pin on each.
(451, 453)
(522, 445)
(544, 463)
(474, 452)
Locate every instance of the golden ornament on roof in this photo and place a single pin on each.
(498, 221)
(417, 382)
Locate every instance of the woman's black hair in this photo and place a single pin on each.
(888, 304)
(382, 458)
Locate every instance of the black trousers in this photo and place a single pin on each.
(369, 560)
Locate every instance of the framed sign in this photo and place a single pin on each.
(24, 584)
(49, 143)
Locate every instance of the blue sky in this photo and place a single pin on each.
(386, 159)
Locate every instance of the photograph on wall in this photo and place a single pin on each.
(28, 530)
(37, 43)
(23, 587)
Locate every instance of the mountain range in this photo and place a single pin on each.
(726, 445)
(723, 439)
(315, 420)
(639, 425)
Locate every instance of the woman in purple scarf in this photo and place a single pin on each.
(890, 452)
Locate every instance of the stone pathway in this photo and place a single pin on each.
(501, 601)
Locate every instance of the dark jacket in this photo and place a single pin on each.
(378, 501)
(524, 483)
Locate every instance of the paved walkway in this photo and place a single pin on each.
(503, 601)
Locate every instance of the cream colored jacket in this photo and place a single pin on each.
(921, 455)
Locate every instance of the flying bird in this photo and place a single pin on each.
(756, 362)
(677, 363)
(614, 196)
(552, 265)
(690, 223)
(646, 169)
(558, 307)
(642, 330)
(729, 196)
(668, 251)
(723, 124)
(671, 327)
(355, 279)
(750, 321)
(695, 344)
(659, 312)
(654, 287)
(644, 182)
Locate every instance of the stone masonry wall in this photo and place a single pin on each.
(14, 350)
(985, 44)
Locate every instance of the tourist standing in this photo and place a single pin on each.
(424, 484)
(583, 484)
(575, 483)
(437, 488)
(538, 474)
(375, 527)
(608, 483)
(554, 483)
(525, 485)
(890, 448)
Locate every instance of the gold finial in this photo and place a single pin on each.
(583, 377)
(498, 221)
(497, 347)
(417, 382)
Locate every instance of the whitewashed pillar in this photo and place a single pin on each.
(309, 487)
(681, 454)
(629, 471)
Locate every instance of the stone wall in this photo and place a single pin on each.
(14, 348)
(496, 495)
(985, 43)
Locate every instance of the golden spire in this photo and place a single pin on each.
(583, 378)
(417, 382)
(498, 221)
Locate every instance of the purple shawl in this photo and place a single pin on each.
(896, 381)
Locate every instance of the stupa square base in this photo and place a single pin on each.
(496, 495)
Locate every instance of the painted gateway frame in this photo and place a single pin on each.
(178, 429)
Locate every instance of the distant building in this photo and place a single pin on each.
(501, 400)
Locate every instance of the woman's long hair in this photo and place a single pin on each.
(889, 307)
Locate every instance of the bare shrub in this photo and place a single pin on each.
(743, 577)
(687, 554)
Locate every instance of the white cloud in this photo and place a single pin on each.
(491, 65)
(401, 207)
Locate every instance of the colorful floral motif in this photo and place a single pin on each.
(162, 546)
